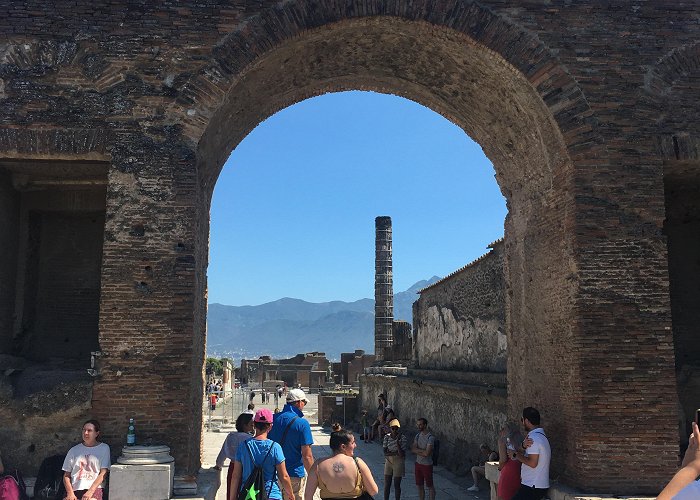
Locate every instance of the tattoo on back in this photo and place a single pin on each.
(338, 467)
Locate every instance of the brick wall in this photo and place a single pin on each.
(578, 107)
(356, 367)
(460, 321)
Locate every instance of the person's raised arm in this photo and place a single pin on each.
(367, 479)
(221, 457)
(529, 460)
(532, 458)
(690, 468)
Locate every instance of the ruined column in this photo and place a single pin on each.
(383, 288)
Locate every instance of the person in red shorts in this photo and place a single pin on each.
(423, 448)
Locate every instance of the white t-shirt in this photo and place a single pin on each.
(84, 464)
(539, 476)
(690, 492)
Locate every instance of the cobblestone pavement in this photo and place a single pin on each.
(447, 485)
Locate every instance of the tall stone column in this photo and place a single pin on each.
(383, 287)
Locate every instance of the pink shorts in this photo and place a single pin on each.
(424, 474)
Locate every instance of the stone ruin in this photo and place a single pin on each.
(117, 118)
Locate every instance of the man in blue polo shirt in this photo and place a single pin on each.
(293, 433)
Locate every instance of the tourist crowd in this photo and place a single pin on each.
(272, 452)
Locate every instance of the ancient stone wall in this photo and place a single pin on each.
(42, 409)
(401, 349)
(459, 322)
(461, 414)
(580, 106)
(357, 366)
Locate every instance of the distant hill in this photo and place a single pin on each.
(289, 326)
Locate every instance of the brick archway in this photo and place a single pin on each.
(510, 94)
(495, 104)
(554, 94)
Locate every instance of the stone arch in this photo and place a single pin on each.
(493, 79)
(585, 213)
(512, 46)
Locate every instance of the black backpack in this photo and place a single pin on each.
(49, 480)
(256, 479)
(436, 450)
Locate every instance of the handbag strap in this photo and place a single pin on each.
(359, 473)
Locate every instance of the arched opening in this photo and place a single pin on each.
(308, 202)
(495, 105)
(164, 100)
(667, 86)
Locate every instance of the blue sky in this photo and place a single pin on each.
(293, 210)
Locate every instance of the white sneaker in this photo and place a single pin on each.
(473, 488)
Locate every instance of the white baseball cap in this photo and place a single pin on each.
(296, 395)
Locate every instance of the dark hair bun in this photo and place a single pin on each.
(337, 427)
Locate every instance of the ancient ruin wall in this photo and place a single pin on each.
(459, 322)
(461, 415)
(578, 106)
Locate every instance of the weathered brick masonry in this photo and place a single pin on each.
(457, 376)
(582, 107)
(459, 321)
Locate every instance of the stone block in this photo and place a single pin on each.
(145, 482)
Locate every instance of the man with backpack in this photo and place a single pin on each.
(423, 446)
(259, 461)
(293, 433)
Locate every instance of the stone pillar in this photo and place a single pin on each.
(151, 340)
(383, 287)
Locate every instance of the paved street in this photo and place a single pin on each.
(447, 484)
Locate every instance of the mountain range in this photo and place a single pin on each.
(288, 326)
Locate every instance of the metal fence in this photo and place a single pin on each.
(230, 404)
